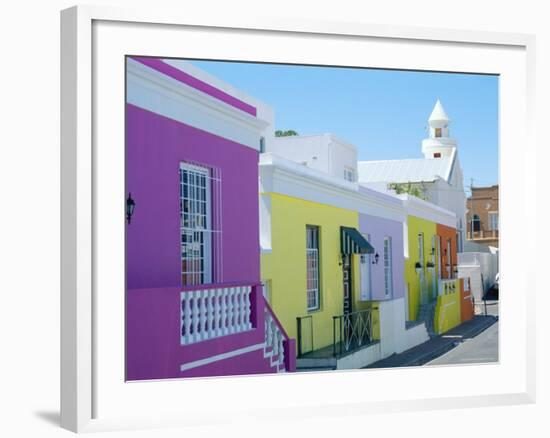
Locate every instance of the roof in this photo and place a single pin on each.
(403, 171)
(438, 112)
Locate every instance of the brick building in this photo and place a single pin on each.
(482, 216)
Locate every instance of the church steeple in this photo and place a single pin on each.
(439, 144)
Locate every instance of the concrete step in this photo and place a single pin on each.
(325, 362)
(305, 370)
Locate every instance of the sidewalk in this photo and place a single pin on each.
(435, 347)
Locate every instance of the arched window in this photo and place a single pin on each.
(476, 223)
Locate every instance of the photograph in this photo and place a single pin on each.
(288, 218)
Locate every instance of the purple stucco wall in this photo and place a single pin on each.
(378, 228)
(154, 350)
(155, 147)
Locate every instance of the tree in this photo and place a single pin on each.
(409, 189)
(288, 133)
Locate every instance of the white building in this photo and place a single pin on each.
(323, 152)
(438, 175)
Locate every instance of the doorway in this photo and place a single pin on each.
(348, 294)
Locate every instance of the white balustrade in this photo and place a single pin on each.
(212, 313)
(274, 338)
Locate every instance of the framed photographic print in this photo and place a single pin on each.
(258, 208)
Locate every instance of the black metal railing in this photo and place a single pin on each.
(351, 331)
(305, 334)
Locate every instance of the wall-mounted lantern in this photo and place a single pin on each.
(433, 251)
(376, 257)
(430, 265)
(418, 267)
(130, 206)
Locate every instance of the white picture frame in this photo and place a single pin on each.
(87, 382)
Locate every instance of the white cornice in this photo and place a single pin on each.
(426, 210)
(278, 175)
(161, 94)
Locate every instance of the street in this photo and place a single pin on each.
(480, 349)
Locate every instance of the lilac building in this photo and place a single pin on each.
(194, 302)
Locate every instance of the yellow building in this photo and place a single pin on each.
(308, 248)
(424, 255)
(420, 279)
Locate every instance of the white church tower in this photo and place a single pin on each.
(439, 144)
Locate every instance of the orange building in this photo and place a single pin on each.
(447, 249)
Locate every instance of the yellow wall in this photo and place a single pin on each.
(285, 266)
(412, 279)
(447, 310)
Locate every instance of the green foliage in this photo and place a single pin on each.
(288, 133)
(409, 189)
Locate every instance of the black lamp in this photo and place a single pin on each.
(130, 205)
(376, 257)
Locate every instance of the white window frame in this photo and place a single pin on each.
(366, 274)
(349, 174)
(313, 294)
(492, 215)
(388, 266)
(421, 249)
(197, 224)
(448, 259)
(438, 258)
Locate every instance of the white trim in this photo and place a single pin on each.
(222, 356)
(279, 175)
(154, 91)
(426, 210)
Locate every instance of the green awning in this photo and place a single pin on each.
(353, 242)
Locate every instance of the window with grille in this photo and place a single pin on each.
(388, 271)
(312, 260)
(200, 228)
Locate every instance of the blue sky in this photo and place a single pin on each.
(383, 112)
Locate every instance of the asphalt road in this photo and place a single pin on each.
(481, 349)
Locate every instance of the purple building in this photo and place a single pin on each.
(194, 302)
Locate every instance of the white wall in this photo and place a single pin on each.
(484, 263)
(394, 337)
(324, 152)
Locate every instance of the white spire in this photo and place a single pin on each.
(438, 144)
(438, 113)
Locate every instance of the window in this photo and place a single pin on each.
(476, 223)
(438, 132)
(448, 258)
(266, 288)
(421, 249)
(312, 260)
(388, 271)
(365, 270)
(349, 174)
(262, 145)
(196, 224)
(437, 154)
(493, 221)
